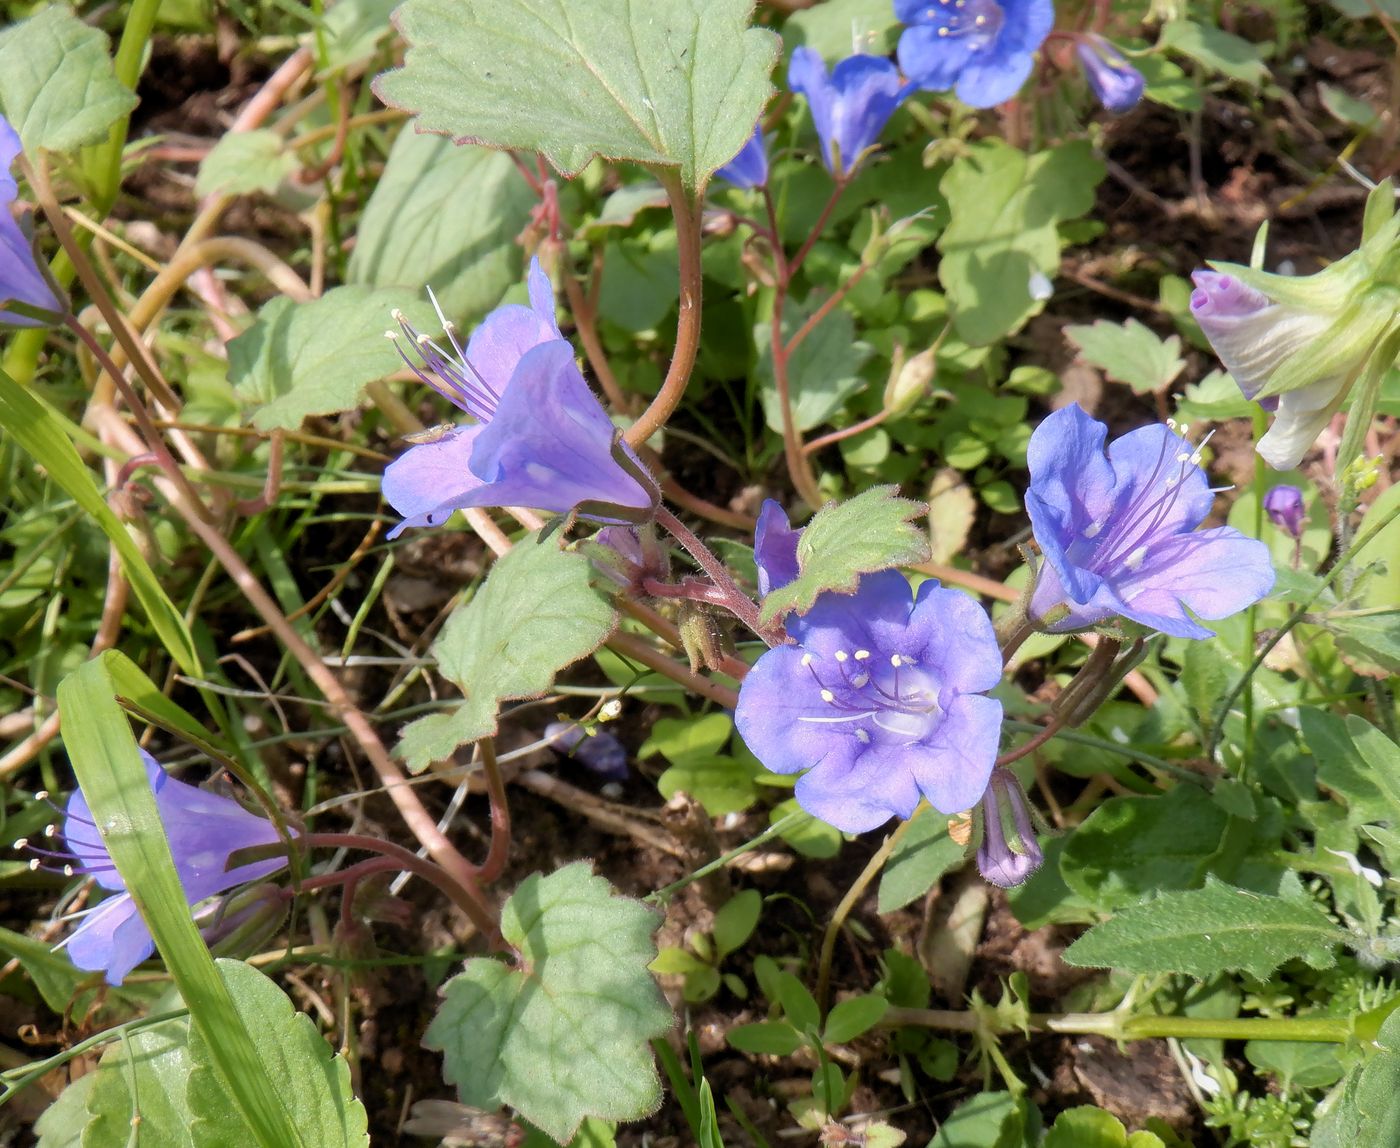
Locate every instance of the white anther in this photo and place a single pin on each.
(1134, 560)
(840, 655)
(391, 335)
(34, 864)
(806, 659)
(50, 830)
(398, 316)
(22, 843)
(862, 736)
(860, 681)
(896, 661)
(828, 696)
(861, 655)
(42, 795)
(68, 870)
(1092, 530)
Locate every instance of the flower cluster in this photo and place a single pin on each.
(1118, 532)
(21, 279)
(982, 49)
(204, 830)
(541, 438)
(881, 698)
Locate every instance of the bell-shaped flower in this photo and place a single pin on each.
(1118, 532)
(982, 49)
(1296, 344)
(748, 169)
(21, 280)
(541, 437)
(204, 830)
(1116, 83)
(1005, 859)
(850, 107)
(881, 699)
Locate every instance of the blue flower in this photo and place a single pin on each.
(599, 750)
(980, 48)
(204, 829)
(541, 438)
(1119, 535)
(1116, 82)
(1284, 506)
(749, 168)
(850, 107)
(21, 280)
(880, 700)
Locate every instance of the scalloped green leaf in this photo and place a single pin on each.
(872, 531)
(1207, 931)
(57, 86)
(538, 612)
(678, 85)
(562, 1035)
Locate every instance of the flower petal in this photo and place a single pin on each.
(864, 792)
(954, 765)
(1156, 487)
(1299, 418)
(873, 618)
(985, 84)
(774, 548)
(432, 479)
(951, 633)
(507, 333)
(932, 61)
(112, 939)
(784, 721)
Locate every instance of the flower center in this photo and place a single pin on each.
(451, 375)
(981, 19)
(889, 700)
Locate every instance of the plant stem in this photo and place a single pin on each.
(105, 160)
(1330, 1030)
(735, 600)
(848, 902)
(687, 211)
(499, 850)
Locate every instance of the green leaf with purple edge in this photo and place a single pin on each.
(674, 85)
(872, 531)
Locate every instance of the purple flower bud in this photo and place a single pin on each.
(749, 168)
(1284, 506)
(774, 548)
(1002, 862)
(599, 750)
(1116, 82)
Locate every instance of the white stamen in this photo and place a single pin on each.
(1134, 560)
(840, 655)
(1092, 530)
(806, 660)
(861, 655)
(896, 661)
(860, 681)
(862, 736)
(828, 696)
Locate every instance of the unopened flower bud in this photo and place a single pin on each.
(1116, 82)
(1004, 861)
(701, 636)
(910, 381)
(245, 922)
(600, 752)
(1284, 506)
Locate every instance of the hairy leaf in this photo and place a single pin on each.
(562, 1034)
(676, 85)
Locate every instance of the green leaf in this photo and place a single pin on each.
(1369, 644)
(141, 1080)
(672, 85)
(809, 835)
(538, 612)
(1129, 353)
(822, 373)
(62, 1122)
(1131, 846)
(1087, 1127)
(446, 217)
(922, 856)
(837, 28)
(988, 1120)
(58, 979)
(57, 86)
(720, 782)
(872, 531)
(1296, 1063)
(39, 431)
(1342, 768)
(109, 770)
(315, 358)
(853, 1016)
(799, 1005)
(735, 922)
(245, 162)
(769, 1037)
(313, 1080)
(1005, 208)
(579, 1001)
(1205, 931)
(1220, 51)
(353, 29)
(1366, 1114)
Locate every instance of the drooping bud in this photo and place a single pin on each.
(1116, 83)
(599, 751)
(1284, 506)
(748, 169)
(1007, 860)
(246, 921)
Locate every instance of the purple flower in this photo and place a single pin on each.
(850, 107)
(1119, 535)
(1284, 506)
(774, 548)
(541, 438)
(749, 168)
(600, 751)
(881, 699)
(1116, 82)
(21, 280)
(1002, 862)
(980, 48)
(204, 829)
